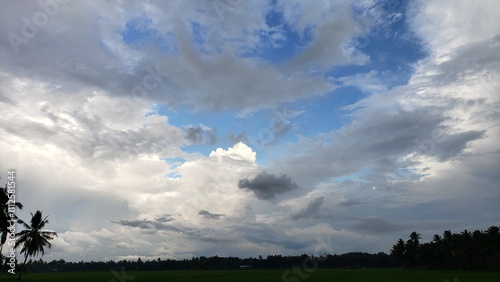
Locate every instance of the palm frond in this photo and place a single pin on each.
(33, 239)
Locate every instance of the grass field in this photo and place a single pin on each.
(323, 275)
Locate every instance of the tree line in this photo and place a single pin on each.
(465, 250)
(347, 260)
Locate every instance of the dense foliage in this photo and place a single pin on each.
(348, 260)
(465, 250)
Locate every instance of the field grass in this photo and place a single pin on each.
(323, 275)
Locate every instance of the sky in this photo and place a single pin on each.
(173, 129)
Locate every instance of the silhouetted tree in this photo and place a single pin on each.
(464, 250)
(413, 249)
(6, 215)
(33, 239)
(399, 251)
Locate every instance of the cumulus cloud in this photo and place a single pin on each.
(240, 151)
(266, 186)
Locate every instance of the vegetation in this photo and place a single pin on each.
(33, 239)
(5, 215)
(271, 275)
(465, 250)
(348, 260)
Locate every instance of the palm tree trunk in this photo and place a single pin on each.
(22, 268)
(4, 239)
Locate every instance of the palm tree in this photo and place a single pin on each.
(399, 251)
(413, 249)
(5, 215)
(492, 241)
(33, 238)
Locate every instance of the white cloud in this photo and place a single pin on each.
(447, 25)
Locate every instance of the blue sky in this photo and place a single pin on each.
(320, 114)
(349, 122)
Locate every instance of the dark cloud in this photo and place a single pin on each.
(164, 218)
(311, 209)
(454, 144)
(210, 215)
(266, 186)
(138, 223)
(350, 203)
(201, 135)
(193, 233)
(159, 223)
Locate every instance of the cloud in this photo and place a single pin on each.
(201, 134)
(159, 223)
(88, 133)
(311, 209)
(239, 151)
(266, 186)
(331, 27)
(210, 215)
(380, 138)
(349, 203)
(444, 34)
(200, 74)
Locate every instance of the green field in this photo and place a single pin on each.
(322, 275)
